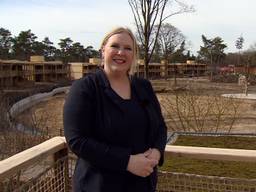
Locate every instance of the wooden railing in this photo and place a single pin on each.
(20, 161)
(212, 153)
(11, 169)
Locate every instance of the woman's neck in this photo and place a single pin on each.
(118, 78)
(120, 83)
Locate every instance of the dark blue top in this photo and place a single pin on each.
(131, 131)
(132, 125)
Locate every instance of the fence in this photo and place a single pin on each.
(49, 167)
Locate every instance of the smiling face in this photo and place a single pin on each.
(118, 53)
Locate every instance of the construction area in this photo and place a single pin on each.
(212, 113)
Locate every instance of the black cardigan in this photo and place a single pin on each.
(87, 125)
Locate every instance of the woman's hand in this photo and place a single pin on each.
(153, 154)
(140, 165)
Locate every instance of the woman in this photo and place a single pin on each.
(113, 123)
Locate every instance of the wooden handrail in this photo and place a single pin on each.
(211, 153)
(19, 161)
(12, 165)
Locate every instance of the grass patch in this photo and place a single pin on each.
(210, 167)
(230, 142)
(232, 169)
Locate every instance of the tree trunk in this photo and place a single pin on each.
(146, 64)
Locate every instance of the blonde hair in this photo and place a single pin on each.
(135, 45)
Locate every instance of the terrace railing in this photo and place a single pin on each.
(49, 167)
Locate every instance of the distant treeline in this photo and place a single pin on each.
(173, 49)
(24, 45)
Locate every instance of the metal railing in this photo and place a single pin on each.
(49, 167)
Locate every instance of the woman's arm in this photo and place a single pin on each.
(161, 137)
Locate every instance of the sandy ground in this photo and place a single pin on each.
(52, 108)
(241, 96)
(245, 122)
(46, 116)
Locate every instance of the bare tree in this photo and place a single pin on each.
(239, 46)
(17, 134)
(147, 14)
(200, 113)
(4, 108)
(169, 39)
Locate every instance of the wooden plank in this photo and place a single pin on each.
(13, 164)
(211, 153)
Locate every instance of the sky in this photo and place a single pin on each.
(87, 21)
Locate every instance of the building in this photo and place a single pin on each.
(13, 72)
(78, 70)
(10, 72)
(164, 69)
(156, 70)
